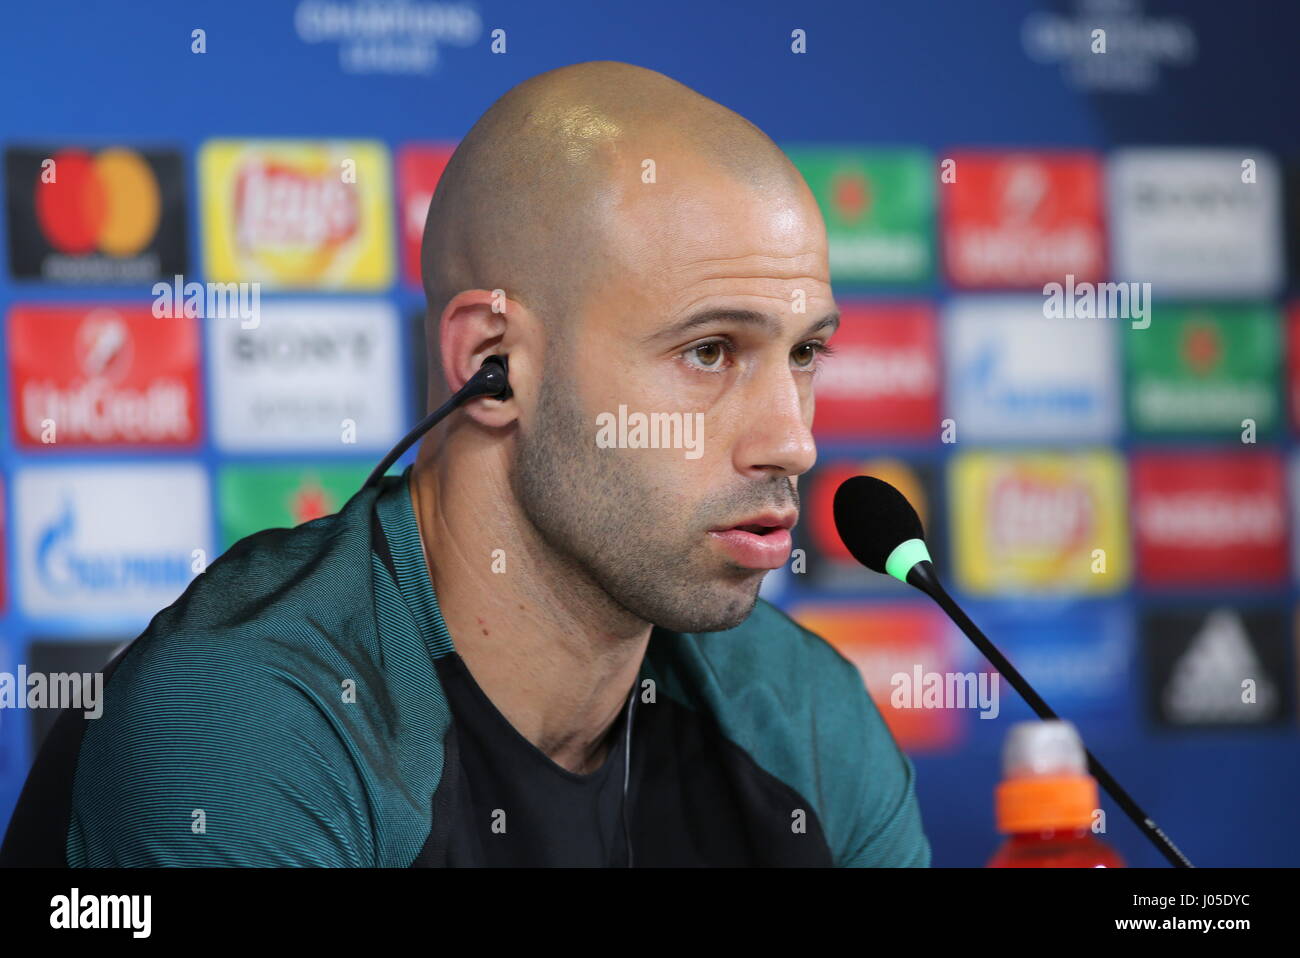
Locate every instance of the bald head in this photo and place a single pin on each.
(696, 289)
(531, 201)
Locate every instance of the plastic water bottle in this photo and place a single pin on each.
(1046, 801)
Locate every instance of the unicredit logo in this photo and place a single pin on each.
(109, 392)
(277, 205)
(93, 411)
(108, 202)
(104, 346)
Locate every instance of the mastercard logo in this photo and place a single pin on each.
(108, 202)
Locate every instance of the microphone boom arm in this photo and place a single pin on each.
(921, 575)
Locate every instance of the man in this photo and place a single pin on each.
(543, 643)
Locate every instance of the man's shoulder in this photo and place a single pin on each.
(277, 572)
(271, 624)
(259, 692)
(276, 588)
(279, 603)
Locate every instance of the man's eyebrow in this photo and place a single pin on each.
(831, 319)
(747, 316)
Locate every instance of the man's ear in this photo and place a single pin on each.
(476, 324)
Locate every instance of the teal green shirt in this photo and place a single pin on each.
(288, 709)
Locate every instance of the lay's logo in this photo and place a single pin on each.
(301, 215)
(1043, 519)
(1039, 522)
(288, 207)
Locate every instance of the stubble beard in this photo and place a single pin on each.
(619, 536)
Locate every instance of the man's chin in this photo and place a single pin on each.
(723, 608)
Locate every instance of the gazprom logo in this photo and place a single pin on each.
(1015, 375)
(64, 569)
(987, 383)
(109, 544)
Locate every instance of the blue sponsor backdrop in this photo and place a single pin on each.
(934, 74)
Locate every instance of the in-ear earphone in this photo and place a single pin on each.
(492, 380)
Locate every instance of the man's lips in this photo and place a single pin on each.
(759, 542)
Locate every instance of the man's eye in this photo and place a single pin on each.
(708, 355)
(806, 354)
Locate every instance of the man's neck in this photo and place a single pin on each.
(553, 653)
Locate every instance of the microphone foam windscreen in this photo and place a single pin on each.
(872, 517)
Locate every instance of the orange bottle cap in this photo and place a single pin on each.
(1045, 802)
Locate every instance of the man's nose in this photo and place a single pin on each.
(776, 435)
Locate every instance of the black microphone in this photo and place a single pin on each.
(491, 380)
(882, 531)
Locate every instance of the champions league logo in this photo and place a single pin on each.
(387, 36)
(1110, 45)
